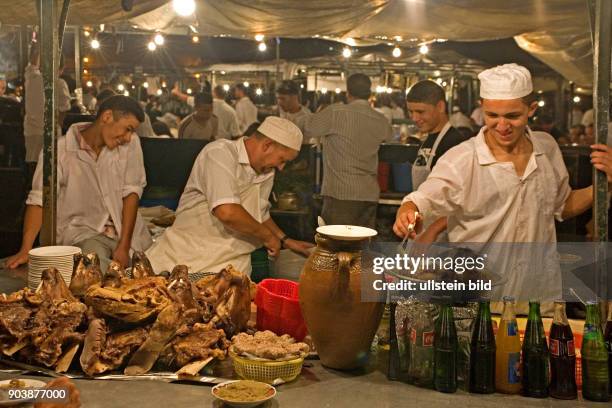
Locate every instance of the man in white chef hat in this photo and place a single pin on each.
(223, 214)
(508, 184)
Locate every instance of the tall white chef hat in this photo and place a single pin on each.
(282, 131)
(508, 81)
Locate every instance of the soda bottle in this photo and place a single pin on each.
(482, 352)
(421, 350)
(535, 355)
(508, 354)
(608, 341)
(595, 376)
(562, 356)
(445, 351)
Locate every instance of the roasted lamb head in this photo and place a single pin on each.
(86, 273)
(114, 276)
(141, 267)
(200, 342)
(16, 311)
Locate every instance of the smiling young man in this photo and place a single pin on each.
(507, 184)
(223, 214)
(100, 176)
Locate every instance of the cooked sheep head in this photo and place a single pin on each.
(86, 273)
(141, 266)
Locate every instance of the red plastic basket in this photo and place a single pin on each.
(278, 308)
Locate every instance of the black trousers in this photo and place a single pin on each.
(349, 212)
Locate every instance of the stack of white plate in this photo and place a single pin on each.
(58, 257)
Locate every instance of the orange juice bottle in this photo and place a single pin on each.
(508, 354)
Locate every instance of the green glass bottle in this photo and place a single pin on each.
(535, 355)
(482, 352)
(445, 351)
(595, 375)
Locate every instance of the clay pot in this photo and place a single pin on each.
(342, 327)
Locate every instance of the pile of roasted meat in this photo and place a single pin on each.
(120, 322)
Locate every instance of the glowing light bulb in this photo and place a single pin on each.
(164, 84)
(197, 76)
(226, 87)
(184, 8)
(95, 44)
(126, 93)
(397, 52)
(89, 84)
(159, 92)
(151, 46)
(423, 49)
(259, 37)
(346, 52)
(576, 99)
(145, 84)
(86, 33)
(195, 39)
(246, 84)
(541, 104)
(158, 39)
(85, 59)
(323, 91)
(389, 90)
(121, 87)
(85, 71)
(302, 86)
(351, 42)
(262, 47)
(258, 92)
(337, 90)
(189, 91)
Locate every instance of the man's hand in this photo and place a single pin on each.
(601, 157)
(273, 245)
(301, 247)
(406, 216)
(19, 258)
(121, 254)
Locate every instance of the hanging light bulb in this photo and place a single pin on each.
(338, 90)
(576, 99)
(541, 104)
(346, 52)
(85, 59)
(189, 91)
(195, 39)
(151, 46)
(85, 71)
(258, 92)
(323, 91)
(246, 84)
(158, 39)
(397, 52)
(95, 44)
(89, 84)
(389, 90)
(126, 93)
(424, 49)
(302, 86)
(262, 47)
(121, 87)
(351, 42)
(184, 8)
(159, 92)
(145, 85)
(86, 33)
(197, 76)
(164, 84)
(259, 37)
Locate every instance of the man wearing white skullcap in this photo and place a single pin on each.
(223, 214)
(508, 183)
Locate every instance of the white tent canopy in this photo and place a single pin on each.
(555, 31)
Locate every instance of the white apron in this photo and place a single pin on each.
(199, 240)
(420, 173)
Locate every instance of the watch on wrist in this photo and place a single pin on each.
(283, 239)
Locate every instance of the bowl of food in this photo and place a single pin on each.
(243, 393)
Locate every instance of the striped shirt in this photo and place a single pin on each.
(350, 135)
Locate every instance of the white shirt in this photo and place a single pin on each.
(89, 190)
(477, 116)
(458, 119)
(246, 112)
(385, 110)
(398, 113)
(228, 120)
(298, 118)
(588, 118)
(486, 201)
(33, 123)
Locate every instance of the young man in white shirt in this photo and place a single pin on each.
(289, 106)
(245, 108)
(100, 178)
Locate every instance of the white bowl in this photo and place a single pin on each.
(347, 232)
(271, 394)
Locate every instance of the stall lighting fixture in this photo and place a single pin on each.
(397, 52)
(86, 33)
(85, 71)
(151, 46)
(126, 93)
(259, 37)
(436, 73)
(145, 85)
(262, 47)
(444, 83)
(258, 92)
(189, 91)
(302, 86)
(85, 59)
(346, 52)
(164, 84)
(159, 92)
(439, 81)
(222, 72)
(323, 91)
(541, 104)
(184, 8)
(351, 42)
(133, 86)
(246, 84)
(576, 99)
(121, 87)
(95, 44)
(195, 39)
(89, 84)
(389, 90)
(158, 39)
(423, 49)
(337, 90)
(226, 87)
(197, 76)
(380, 89)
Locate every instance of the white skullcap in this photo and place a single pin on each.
(508, 81)
(282, 131)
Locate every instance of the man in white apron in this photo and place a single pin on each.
(506, 185)
(223, 213)
(427, 107)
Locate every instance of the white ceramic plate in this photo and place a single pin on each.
(54, 251)
(4, 399)
(347, 232)
(271, 394)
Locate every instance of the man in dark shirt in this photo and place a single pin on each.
(427, 108)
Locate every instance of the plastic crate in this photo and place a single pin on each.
(278, 308)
